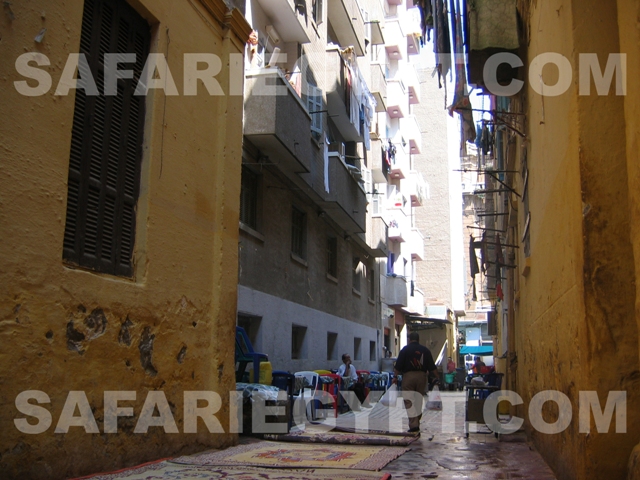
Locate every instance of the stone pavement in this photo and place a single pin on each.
(443, 451)
(450, 455)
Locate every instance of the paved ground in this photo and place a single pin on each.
(444, 451)
(450, 455)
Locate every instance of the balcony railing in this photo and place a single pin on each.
(397, 102)
(346, 201)
(416, 245)
(416, 188)
(399, 164)
(411, 132)
(347, 22)
(396, 294)
(379, 86)
(379, 170)
(286, 19)
(377, 236)
(396, 43)
(413, 84)
(276, 121)
(338, 96)
(415, 299)
(399, 225)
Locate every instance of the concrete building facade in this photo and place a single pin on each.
(322, 254)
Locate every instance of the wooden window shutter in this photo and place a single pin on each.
(106, 144)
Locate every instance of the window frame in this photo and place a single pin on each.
(106, 150)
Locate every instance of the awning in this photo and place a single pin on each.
(476, 350)
(418, 321)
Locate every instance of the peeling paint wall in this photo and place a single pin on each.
(169, 327)
(576, 327)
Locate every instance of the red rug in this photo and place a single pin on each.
(163, 469)
(298, 455)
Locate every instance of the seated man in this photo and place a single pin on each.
(478, 366)
(451, 365)
(348, 370)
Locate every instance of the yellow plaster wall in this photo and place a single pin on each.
(183, 294)
(629, 30)
(576, 304)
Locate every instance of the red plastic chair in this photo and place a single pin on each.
(332, 389)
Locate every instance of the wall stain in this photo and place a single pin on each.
(146, 351)
(182, 354)
(96, 324)
(124, 336)
(74, 339)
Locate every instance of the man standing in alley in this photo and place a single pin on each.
(414, 361)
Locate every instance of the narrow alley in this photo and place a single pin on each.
(208, 205)
(442, 451)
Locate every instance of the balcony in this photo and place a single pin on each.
(413, 44)
(346, 201)
(376, 31)
(416, 301)
(411, 132)
(396, 45)
(378, 168)
(286, 20)
(397, 104)
(399, 164)
(276, 121)
(377, 237)
(411, 26)
(378, 86)
(347, 22)
(415, 245)
(399, 226)
(413, 84)
(416, 188)
(396, 291)
(337, 92)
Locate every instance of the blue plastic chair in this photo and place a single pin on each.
(245, 355)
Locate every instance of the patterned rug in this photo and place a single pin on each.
(345, 438)
(165, 470)
(298, 455)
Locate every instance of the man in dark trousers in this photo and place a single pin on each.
(414, 361)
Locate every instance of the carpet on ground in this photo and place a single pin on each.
(298, 455)
(347, 438)
(165, 470)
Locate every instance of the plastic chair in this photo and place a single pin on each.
(285, 381)
(332, 388)
(245, 355)
(310, 391)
